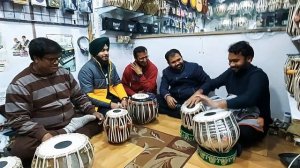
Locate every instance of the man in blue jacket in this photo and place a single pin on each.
(180, 80)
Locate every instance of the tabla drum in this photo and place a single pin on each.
(72, 150)
(274, 5)
(240, 23)
(10, 162)
(220, 9)
(261, 6)
(187, 114)
(246, 6)
(117, 125)
(225, 24)
(216, 131)
(233, 8)
(143, 108)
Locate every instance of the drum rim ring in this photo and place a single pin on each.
(217, 158)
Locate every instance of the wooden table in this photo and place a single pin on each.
(117, 156)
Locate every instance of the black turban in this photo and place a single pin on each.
(97, 45)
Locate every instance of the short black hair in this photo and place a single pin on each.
(42, 46)
(139, 49)
(171, 53)
(243, 48)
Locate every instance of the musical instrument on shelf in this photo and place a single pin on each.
(117, 3)
(199, 5)
(221, 9)
(233, 8)
(132, 4)
(261, 6)
(246, 6)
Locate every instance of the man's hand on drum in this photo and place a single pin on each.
(46, 137)
(194, 99)
(99, 116)
(171, 102)
(137, 69)
(124, 103)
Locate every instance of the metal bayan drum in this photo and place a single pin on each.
(10, 162)
(187, 114)
(261, 6)
(240, 23)
(64, 151)
(143, 108)
(117, 125)
(216, 131)
(233, 8)
(246, 6)
(221, 9)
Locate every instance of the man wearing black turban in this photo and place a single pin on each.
(99, 79)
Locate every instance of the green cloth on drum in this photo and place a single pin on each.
(186, 134)
(220, 159)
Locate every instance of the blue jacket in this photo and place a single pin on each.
(93, 82)
(183, 84)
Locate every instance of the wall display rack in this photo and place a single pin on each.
(42, 15)
(173, 18)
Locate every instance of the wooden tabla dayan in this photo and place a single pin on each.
(216, 131)
(10, 162)
(117, 125)
(187, 114)
(143, 108)
(72, 150)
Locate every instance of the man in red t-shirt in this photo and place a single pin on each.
(140, 76)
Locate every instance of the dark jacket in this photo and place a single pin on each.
(182, 84)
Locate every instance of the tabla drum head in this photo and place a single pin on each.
(140, 96)
(211, 115)
(196, 107)
(114, 113)
(10, 162)
(61, 145)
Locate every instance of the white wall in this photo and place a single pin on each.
(10, 30)
(208, 51)
(211, 52)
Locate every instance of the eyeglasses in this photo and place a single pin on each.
(52, 60)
